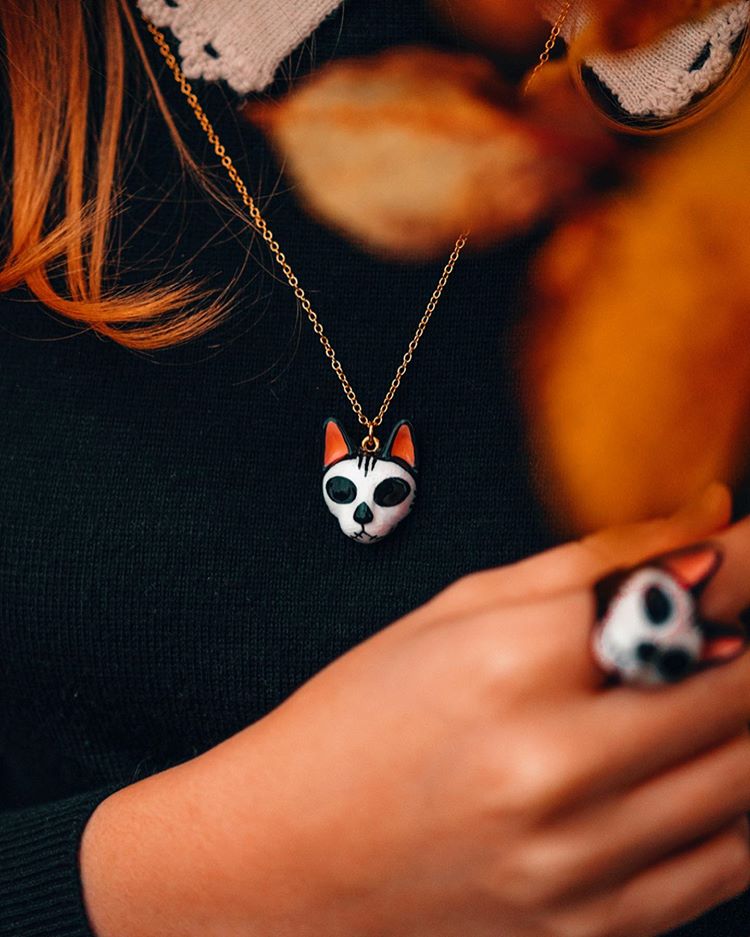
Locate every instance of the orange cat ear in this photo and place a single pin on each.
(695, 566)
(401, 444)
(337, 444)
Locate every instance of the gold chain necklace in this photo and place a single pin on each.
(369, 488)
(551, 42)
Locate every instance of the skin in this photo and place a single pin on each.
(464, 771)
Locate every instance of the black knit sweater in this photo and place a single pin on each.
(168, 570)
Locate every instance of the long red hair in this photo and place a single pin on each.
(63, 193)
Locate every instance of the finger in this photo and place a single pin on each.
(677, 889)
(688, 803)
(664, 814)
(728, 594)
(643, 732)
(545, 643)
(718, 573)
(629, 545)
(582, 562)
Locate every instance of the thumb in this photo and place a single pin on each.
(629, 544)
(581, 563)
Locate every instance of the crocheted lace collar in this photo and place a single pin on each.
(241, 41)
(661, 78)
(244, 41)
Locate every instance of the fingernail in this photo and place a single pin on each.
(742, 649)
(730, 652)
(726, 646)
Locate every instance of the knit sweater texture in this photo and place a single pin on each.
(169, 572)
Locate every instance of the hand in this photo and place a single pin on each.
(463, 772)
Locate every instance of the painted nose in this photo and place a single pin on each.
(674, 665)
(363, 515)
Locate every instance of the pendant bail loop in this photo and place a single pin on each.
(370, 444)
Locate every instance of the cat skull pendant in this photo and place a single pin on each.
(369, 493)
(650, 630)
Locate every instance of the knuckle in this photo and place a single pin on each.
(467, 590)
(505, 671)
(543, 776)
(742, 882)
(583, 927)
(459, 597)
(733, 882)
(547, 874)
(523, 879)
(575, 923)
(735, 870)
(598, 918)
(478, 585)
(506, 674)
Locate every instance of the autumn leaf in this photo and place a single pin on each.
(403, 150)
(637, 360)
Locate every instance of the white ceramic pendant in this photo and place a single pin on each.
(369, 494)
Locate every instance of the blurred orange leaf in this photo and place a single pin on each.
(403, 150)
(637, 366)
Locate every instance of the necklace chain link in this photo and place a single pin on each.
(265, 232)
(551, 42)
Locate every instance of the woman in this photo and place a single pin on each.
(220, 715)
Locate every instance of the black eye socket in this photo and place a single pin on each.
(390, 492)
(341, 490)
(658, 605)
